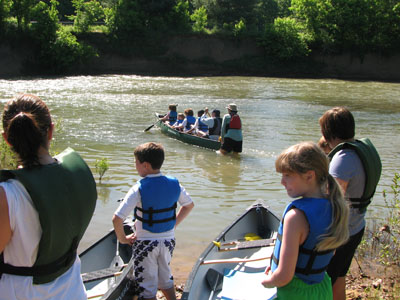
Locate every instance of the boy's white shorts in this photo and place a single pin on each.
(152, 265)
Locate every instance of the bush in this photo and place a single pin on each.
(239, 28)
(87, 14)
(381, 242)
(101, 166)
(199, 19)
(285, 40)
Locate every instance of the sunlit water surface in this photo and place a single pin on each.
(104, 117)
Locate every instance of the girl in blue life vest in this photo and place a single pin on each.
(312, 226)
(171, 116)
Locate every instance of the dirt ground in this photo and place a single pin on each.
(366, 280)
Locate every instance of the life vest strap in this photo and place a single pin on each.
(308, 270)
(152, 211)
(41, 270)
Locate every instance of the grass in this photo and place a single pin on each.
(376, 274)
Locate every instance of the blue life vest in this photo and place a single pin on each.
(202, 126)
(190, 120)
(159, 197)
(311, 265)
(173, 115)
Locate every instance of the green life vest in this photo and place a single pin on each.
(64, 194)
(372, 167)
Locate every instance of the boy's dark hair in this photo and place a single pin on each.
(200, 112)
(152, 153)
(189, 112)
(337, 122)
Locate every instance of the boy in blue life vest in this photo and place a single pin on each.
(153, 199)
(177, 124)
(188, 122)
(199, 128)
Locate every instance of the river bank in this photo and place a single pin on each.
(208, 56)
(365, 280)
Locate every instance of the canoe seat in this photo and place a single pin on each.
(238, 245)
(102, 274)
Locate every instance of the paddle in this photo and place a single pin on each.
(214, 280)
(150, 127)
(117, 260)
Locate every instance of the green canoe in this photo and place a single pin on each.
(188, 138)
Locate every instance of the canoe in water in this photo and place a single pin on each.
(188, 138)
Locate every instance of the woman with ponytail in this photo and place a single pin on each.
(312, 226)
(45, 208)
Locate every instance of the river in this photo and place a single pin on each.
(104, 117)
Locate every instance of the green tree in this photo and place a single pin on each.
(357, 26)
(87, 13)
(21, 9)
(140, 18)
(5, 6)
(227, 13)
(199, 19)
(285, 40)
(46, 22)
(178, 19)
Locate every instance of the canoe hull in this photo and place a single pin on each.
(189, 138)
(257, 219)
(99, 257)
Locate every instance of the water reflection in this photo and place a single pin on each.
(104, 116)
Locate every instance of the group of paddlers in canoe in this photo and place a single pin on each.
(228, 129)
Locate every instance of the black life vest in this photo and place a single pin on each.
(216, 129)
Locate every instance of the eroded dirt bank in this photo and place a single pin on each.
(211, 56)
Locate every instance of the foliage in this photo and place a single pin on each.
(5, 6)
(87, 13)
(21, 9)
(46, 22)
(266, 11)
(227, 13)
(179, 17)
(199, 19)
(8, 160)
(390, 233)
(382, 242)
(67, 53)
(357, 26)
(285, 40)
(101, 166)
(239, 28)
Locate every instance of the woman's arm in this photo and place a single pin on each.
(295, 231)
(5, 228)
